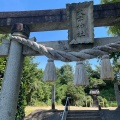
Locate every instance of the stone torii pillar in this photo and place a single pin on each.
(11, 82)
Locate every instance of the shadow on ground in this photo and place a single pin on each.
(45, 115)
(111, 114)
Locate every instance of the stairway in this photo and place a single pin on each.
(83, 115)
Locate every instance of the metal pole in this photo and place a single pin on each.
(11, 83)
(53, 97)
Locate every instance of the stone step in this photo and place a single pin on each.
(84, 111)
(84, 118)
(80, 115)
(83, 115)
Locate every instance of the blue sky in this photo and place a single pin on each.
(23, 5)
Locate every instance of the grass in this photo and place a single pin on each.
(30, 109)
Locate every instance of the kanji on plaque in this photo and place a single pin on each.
(80, 23)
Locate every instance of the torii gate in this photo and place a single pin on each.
(20, 24)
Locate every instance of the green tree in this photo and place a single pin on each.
(3, 60)
(2, 69)
(29, 76)
(76, 94)
(64, 78)
(42, 94)
(66, 88)
(65, 74)
(4, 36)
(94, 78)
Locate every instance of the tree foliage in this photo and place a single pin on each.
(114, 30)
(28, 85)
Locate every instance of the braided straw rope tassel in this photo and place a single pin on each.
(50, 72)
(80, 77)
(106, 69)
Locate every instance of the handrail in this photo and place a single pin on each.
(65, 109)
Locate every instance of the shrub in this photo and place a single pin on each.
(102, 101)
(112, 103)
